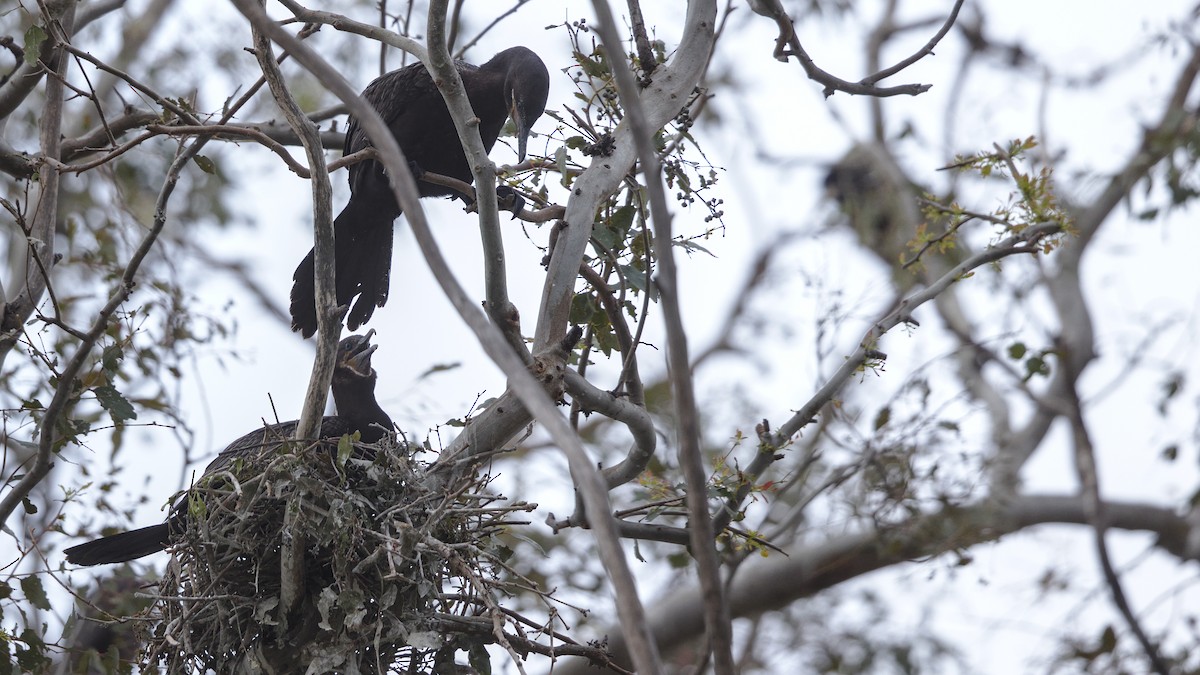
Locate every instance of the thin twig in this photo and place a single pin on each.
(1093, 507)
(1025, 242)
(161, 100)
(41, 235)
(788, 44)
(458, 53)
(921, 53)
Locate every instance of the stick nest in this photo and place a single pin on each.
(389, 570)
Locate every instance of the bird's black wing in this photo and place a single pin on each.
(413, 109)
(393, 96)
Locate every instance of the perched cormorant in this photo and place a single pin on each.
(354, 397)
(514, 83)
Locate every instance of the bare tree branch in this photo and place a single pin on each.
(329, 316)
(1174, 127)
(808, 568)
(342, 23)
(459, 52)
(703, 542)
(902, 313)
(442, 68)
(39, 239)
(138, 30)
(1158, 142)
(25, 80)
(634, 417)
(921, 53)
(166, 103)
(1094, 510)
(788, 44)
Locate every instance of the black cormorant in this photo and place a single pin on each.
(354, 397)
(514, 83)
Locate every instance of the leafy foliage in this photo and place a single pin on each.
(622, 247)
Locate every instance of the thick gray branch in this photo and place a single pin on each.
(328, 316)
(449, 83)
(778, 581)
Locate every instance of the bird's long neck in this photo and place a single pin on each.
(356, 403)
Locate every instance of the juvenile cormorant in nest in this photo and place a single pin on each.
(354, 397)
(515, 83)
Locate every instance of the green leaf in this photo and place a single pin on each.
(6, 657)
(597, 67)
(31, 586)
(1036, 365)
(602, 333)
(34, 37)
(691, 246)
(1016, 350)
(679, 560)
(883, 417)
(115, 403)
(345, 449)
(622, 219)
(33, 659)
(111, 357)
(583, 308)
(561, 161)
(635, 277)
(197, 509)
(1108, 640)
(206, 165)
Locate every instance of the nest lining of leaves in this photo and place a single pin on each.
(396, 574)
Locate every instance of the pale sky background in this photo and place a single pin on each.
(1138, 273)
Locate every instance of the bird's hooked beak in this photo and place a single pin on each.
(359, 360)
(523, 128)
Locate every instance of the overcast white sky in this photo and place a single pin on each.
(1139, 273)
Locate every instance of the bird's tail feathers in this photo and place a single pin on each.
(303, 306)
(362, 262)
(121, 547)
(367, 259)
(373, 264)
